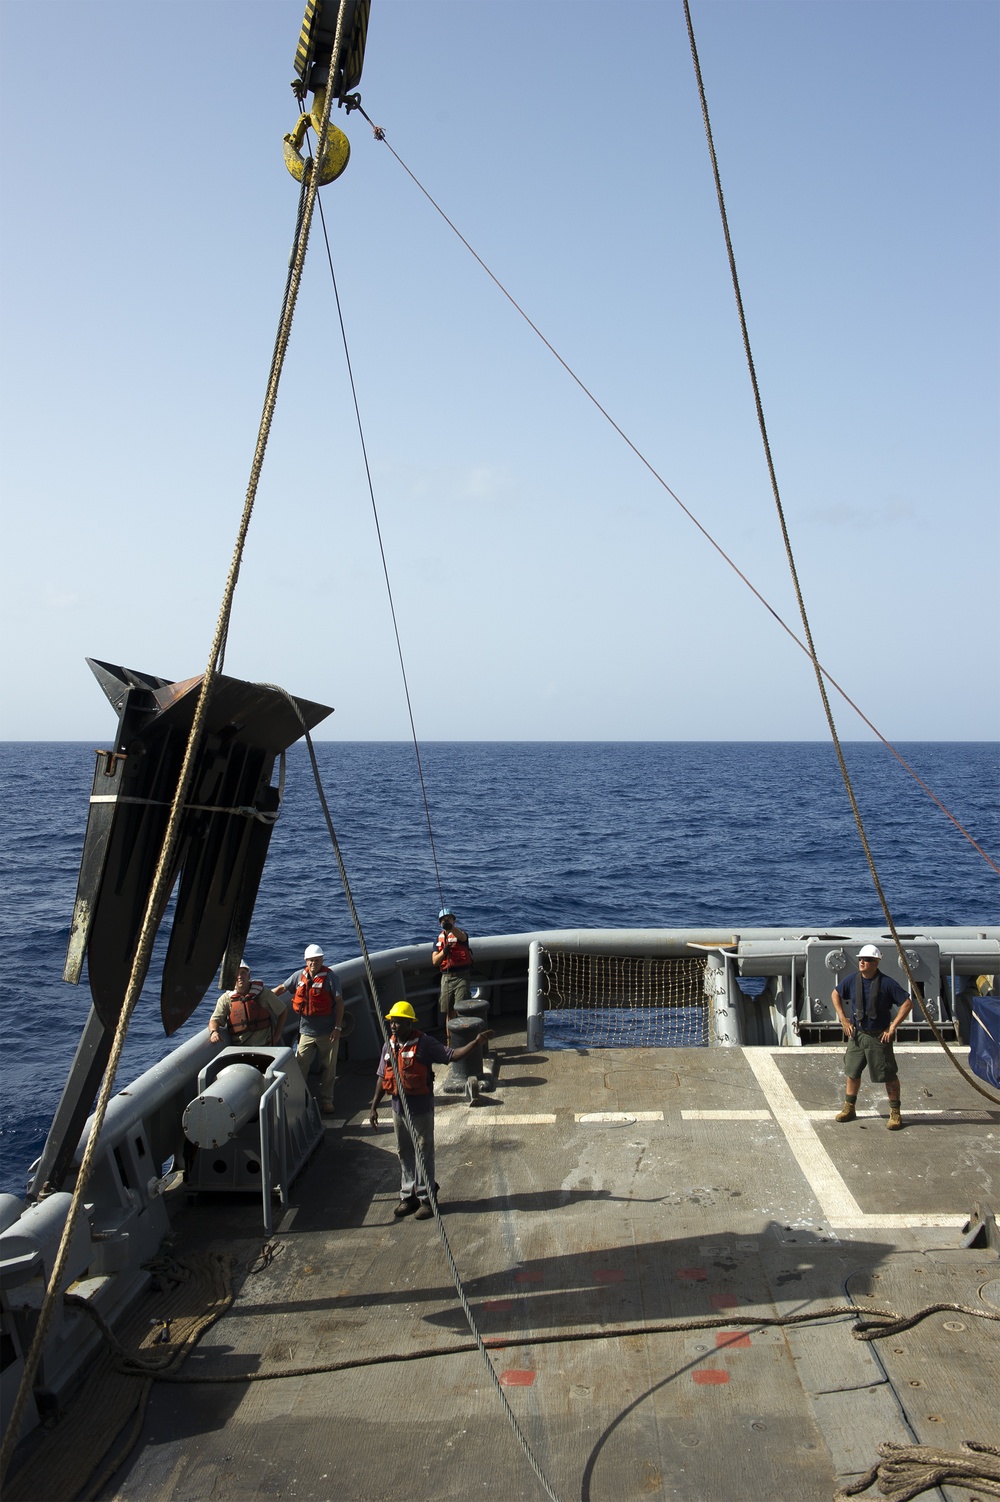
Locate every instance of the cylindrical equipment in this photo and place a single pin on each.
(227, 1104)
(462, 1030)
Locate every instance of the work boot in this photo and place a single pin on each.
(847, 1111)
(424, 1213)
(895, 1121)
(406, 1207)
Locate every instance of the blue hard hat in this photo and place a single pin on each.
(445, 912)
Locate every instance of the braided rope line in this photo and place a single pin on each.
(162, 879)
(878, 1324)
(915, 987)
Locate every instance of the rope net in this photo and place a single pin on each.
(623, 1001)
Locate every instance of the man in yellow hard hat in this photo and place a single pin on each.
(413, 1053)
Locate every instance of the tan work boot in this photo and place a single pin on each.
(895, 1121)
(847, 1111)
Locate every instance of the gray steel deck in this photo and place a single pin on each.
(566, 1226)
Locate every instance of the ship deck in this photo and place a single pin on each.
(592, 1193)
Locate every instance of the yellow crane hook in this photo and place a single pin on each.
(336, 149)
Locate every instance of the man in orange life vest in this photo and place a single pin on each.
(453, 957)
(414, 1052)
(317, 998)
(249, 1014)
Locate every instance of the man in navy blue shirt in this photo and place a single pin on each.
(413, 1053)
(864, 1002)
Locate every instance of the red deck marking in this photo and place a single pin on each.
(516, 1378)
(500, 1305)
(723, 1301)
(691, 1274)
(729, 1338)
(527, 1277)
(609, 1275)
(710, 1377)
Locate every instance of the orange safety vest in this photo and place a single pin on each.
(314, 995)
(246, 1013)
(457, 956)
(414, 1076)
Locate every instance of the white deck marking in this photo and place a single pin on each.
(589, 1117)
(837, 1202)
(726, 1116)
(951, 1113)
(510, 1118)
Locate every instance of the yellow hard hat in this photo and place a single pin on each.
(403, 1009)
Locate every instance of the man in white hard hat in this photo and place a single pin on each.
(864, 1002)
(318, 1000)
(249, 1014)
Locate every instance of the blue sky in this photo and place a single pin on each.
(546, 586)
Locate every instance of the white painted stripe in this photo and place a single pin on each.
(726, 1116)
(837, 1202)
(952, 1114)
(621, 1116)
(901, 1222)
(509, 1118)
(960, 1050)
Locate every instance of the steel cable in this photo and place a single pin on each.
(385, 565)
(405, 1111)
(915, 987)
(380, 136)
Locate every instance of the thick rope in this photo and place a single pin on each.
(915, 987)
(385, 565)
(878, 1324)
(164, 875)
(906, 1471)
(381, 137)
(480, 1344)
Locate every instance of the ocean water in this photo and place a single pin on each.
(528, 835)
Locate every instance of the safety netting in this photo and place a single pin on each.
(622, 1001)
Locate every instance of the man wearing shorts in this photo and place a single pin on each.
(864, 1001)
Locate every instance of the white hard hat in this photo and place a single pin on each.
(243, 965)
(313, 952)
(869, 952)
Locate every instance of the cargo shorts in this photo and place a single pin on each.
(866, 1051)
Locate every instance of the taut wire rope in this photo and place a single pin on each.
(463, 1300)
(163, 878)
(915, 988)
(380, 136)
(385, 565)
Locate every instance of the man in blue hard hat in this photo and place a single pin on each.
(453, 958)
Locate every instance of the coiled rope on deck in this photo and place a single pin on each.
(160, 888)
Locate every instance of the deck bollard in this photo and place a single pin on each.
(471, 1019)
